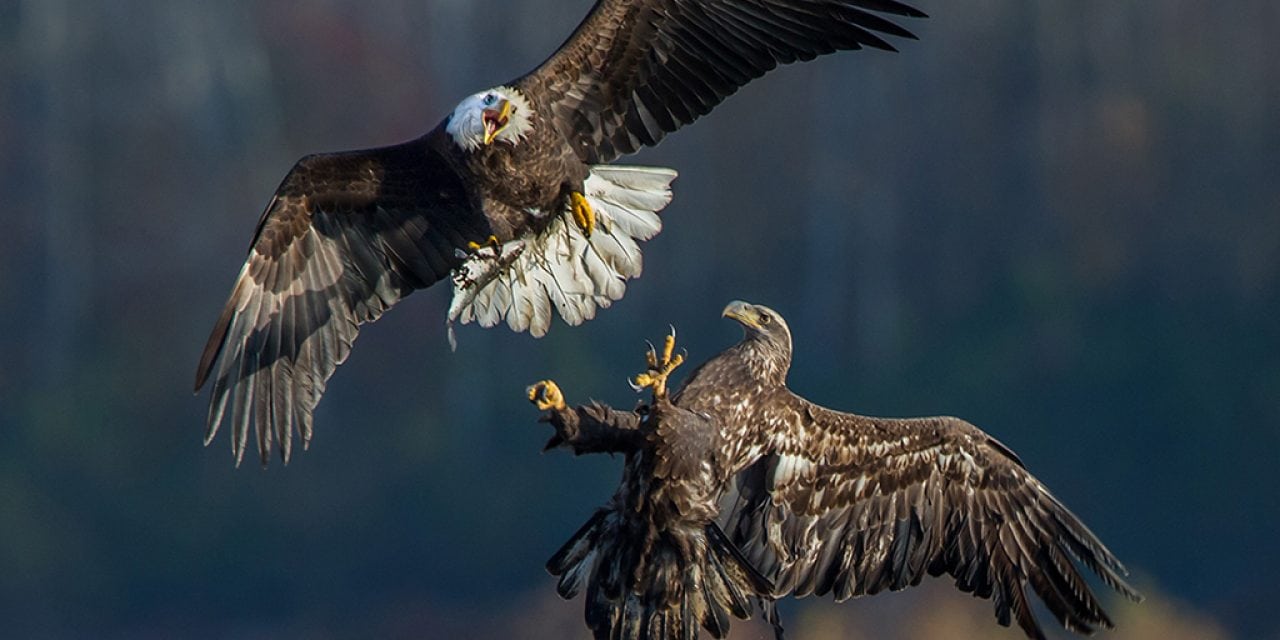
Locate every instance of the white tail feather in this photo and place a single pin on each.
(561, 267)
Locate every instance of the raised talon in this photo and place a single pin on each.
(660, 367)
(583, 214)
(546, 395)
(491, 242)
(669, 345)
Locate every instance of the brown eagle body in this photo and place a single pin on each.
(653, 561)
(509, 197)
(810, 501)
(508, 182)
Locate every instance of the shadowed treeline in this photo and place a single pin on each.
(1057, 220)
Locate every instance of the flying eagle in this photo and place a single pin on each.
(737, 489)
(509, 197)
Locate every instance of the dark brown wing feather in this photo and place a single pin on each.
(636, 70)
(345, 237)
(866, 504)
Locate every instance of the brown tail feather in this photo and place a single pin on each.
(644, 583)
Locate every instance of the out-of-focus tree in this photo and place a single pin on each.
(1058, 220)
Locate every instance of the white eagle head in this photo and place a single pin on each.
(500, 114)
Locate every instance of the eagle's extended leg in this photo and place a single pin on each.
(593, 428)
(583, 214)
(660, 367)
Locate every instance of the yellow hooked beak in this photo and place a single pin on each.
(742, 312)
(495, 120)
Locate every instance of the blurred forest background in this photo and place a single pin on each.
(1059, 220)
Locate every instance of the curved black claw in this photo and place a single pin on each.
(659, 367)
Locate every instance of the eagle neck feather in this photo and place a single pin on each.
(766, 360)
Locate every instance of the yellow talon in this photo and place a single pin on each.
(545, 395)
(491, 242)
(583, 214)
(660, 368)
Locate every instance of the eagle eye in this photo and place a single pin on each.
(489, 100)
(765, 318)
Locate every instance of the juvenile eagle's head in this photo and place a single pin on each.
(496, 115)
(765, 329)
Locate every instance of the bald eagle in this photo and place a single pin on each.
(736, 490)
(509, 197)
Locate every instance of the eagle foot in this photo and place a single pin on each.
(660, 367)
(583, 214)
(491, 242)
(546, 395)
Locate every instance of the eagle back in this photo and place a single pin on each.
(735, 388)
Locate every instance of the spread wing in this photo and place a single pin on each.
(853, 505)
(636, 70)
(345, 237)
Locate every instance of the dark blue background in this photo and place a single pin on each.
(1060, 221)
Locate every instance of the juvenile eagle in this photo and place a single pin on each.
(509, 196)
(813, 501)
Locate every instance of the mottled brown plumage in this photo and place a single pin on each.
(654, 562)
(349, 234)
(820, 501)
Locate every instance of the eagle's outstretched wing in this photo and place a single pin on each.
(345, 237)
(636, 70)
(852, 505)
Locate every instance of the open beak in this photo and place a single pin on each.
(740, 311)
(495, 120)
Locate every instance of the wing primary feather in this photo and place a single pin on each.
(889, 6)
(213, 347)
(217, 408)
(242, 395)
(346, 236)
(690, 54)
